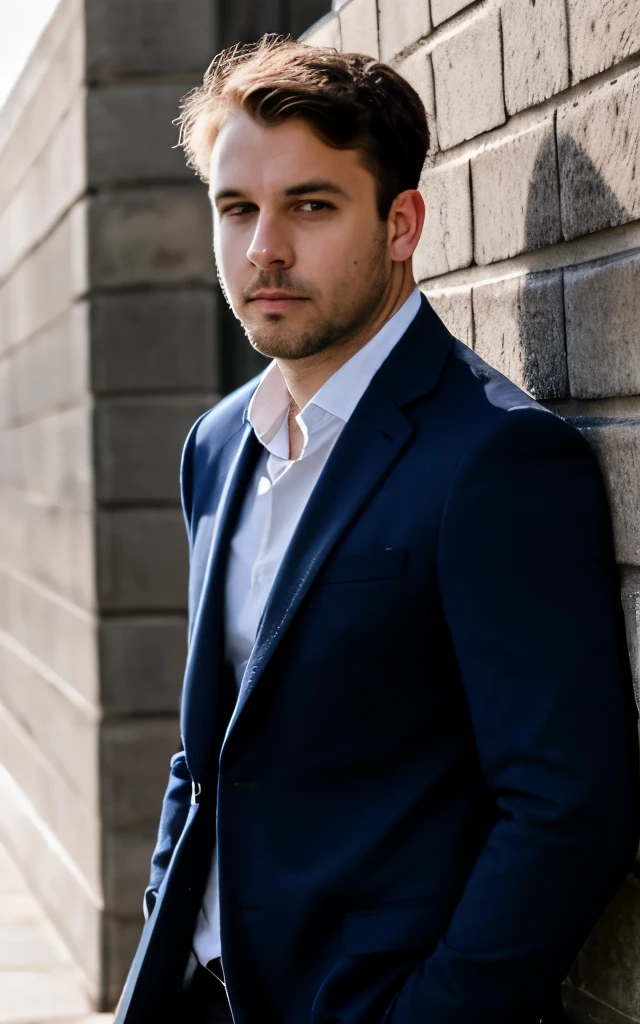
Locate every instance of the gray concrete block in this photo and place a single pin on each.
(38, 102)
(121, 937)
(418, 72)
(617, 446)
(536, 52)
(519, 329)
(49, 546)
(401, 24)
(55, 179)
(155, 340)
(134, 769)
(607, 967)
(142, 560)
(447, 237)
(131, 135)
(47, 281)
(127, 860)
(142, 660)
(60, 635)
(55, 456)
(469, 97)
(516, 201)
(149, 37)
(138, 444)
(359, 27)
(598, 143)
(151, 236)
(602, 305)
(60, 808)
(455, 309)
(441, 10)
(325, 32)
(51, 370)
(54, 879)
(60, 723)
(631, 605)
(602, 33)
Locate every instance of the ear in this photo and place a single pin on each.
(406, 219)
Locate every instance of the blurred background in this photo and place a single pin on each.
(114, 338)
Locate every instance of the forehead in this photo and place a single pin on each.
(248, 155)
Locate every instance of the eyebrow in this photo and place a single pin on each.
(303, 189)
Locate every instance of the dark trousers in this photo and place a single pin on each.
(205, 1000)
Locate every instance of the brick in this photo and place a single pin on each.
(155, 340)
(134, 768)
(469, 98)
(47, 281)
(74, 824)
(536, 52)
(127, 859)
(121, 937)
(598, 145)
(617, 445)
(149, 37)
(608, 965)
(447, 241)
(60, 636)
(50, 546)
(401, 24)
(131, 135)
(142, 560)
(519, 329)
(631, 605)
(602, 304)
(55, 457)
(51, 370)
(142, 660)
(65, 730)
(54, 180)
(516, 201)
(45, 90)
(325, 32)
(455, 309)
(359, 27)
(441, 10)
(159, 235)
(602, 33)
(54, 879)
(418, 72)
(138, 443)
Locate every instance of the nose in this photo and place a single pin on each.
(269, 247)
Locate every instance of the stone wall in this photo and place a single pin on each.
(531, 255)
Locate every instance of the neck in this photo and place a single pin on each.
(305, 377)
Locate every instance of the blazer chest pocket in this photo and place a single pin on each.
(395, 926)
(367, 565)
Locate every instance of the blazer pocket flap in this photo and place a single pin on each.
(394, 926)
(368, 565)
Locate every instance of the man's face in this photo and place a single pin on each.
(301, 252)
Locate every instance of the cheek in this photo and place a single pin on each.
(230, 251)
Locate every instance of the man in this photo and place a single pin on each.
(408, 786)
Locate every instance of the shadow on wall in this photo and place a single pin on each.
(603, 984)
(584, 204)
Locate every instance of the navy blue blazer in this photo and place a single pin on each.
(428, 789)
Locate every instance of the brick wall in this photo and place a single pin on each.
(531, 255)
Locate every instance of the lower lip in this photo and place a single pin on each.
(277, 305)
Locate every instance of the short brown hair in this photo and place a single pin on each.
(350, 101)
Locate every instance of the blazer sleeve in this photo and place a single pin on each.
(177, 798)
(531, 596)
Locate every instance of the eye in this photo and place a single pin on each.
(314, 206)
(237, 210)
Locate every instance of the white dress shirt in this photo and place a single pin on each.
(271, 511)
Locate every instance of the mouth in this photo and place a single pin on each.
(276, 301)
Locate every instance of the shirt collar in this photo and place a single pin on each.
(338, 397)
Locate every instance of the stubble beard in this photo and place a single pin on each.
(276, 338)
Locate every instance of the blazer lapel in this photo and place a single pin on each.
(204, 670)
(370, 443)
